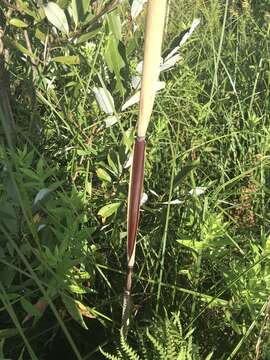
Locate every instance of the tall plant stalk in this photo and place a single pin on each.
(155, 22)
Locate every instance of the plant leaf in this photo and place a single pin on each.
(137, 7)
(168, 64)
(136, 97)
(6, 333)
(109, 209)
(197, 191)
(110, 120)
(87, 36)
(103, 175)
(40, 306)
(114, 60)
(84, 310)
(22, 6)
(41, 194)
(18, 23)
(79, 9)
(104, 99)
(184, 172)
(56, 16)
(187, 35)
(73, 310)
(29, 308)
(68, 60)
(11, 42)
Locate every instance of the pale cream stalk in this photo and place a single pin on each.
(151, 63)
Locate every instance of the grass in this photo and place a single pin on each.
(202, 259)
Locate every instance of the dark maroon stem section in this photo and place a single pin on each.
(135, 192)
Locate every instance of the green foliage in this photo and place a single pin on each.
(204, 231)
(163, 340)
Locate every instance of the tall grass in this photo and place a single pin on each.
(203, 244)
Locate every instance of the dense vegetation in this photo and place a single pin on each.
(202, 282)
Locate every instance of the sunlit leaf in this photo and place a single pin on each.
(168, 64)
(137, 7)
(40, 35)
(13, 43)
(131, 101)
(173, 202)
(115, 25)
(56, 16)
(110, 120)
(128, 162)
(22, 6)
(79, 9)
(109, 209)
(84, 310)
(136, 97)
(87, 36)
(67, 60)
(105, 100)
(103, 175)
(75, 11)
(187, 35)
(76, 289)
(114, 60)
(18, 23)
(136, 82)
(197, 191)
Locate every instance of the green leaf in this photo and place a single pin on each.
(18, 23)
(112, 55)
(40, 35)
(68, 60)
(29, 308)
(137, 7)
(209, 356)
(79, 9)
(183, 173)
(76, 289)
(31, 174)
(15, 44)
(23, 7)
(73, 310)
(56, 16)
(104, 99)
(6, 333)
(85, 310)
(103, 175)
(112, 160)
(87, 36)
(75, 11)
(114, 61)
(115, 25)
(109, 209)
(198, 246)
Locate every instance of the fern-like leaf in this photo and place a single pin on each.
(127, 349)
(109, 356)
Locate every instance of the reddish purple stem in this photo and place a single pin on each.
(135, 192)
